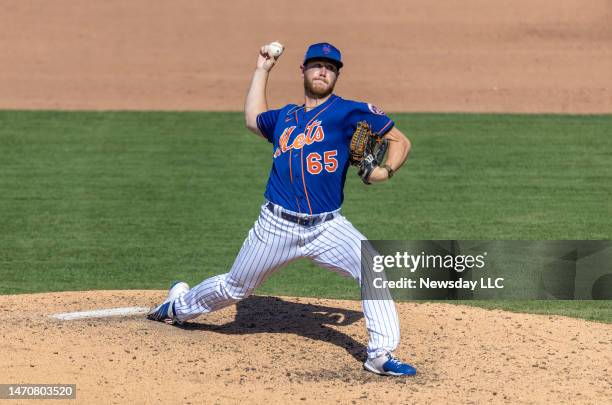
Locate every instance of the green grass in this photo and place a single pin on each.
(122, 200)
(600, 311)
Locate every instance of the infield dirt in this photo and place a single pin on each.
(297, 350)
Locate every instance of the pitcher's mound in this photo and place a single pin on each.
(299, 350)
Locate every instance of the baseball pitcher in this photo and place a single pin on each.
(313, 146)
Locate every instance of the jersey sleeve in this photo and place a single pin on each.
(266, 121)
(374, 116)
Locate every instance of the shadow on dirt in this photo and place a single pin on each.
(274, 315)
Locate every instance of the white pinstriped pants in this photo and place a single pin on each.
(274, 242)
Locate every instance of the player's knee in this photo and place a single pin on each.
(238, 294)
(236, 290)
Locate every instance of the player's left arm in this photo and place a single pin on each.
(397, 154)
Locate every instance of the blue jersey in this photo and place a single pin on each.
(311, 151)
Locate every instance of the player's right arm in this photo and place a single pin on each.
(256, 102)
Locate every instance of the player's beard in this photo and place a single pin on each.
(317, 92)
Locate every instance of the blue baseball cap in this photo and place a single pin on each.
(324, 50)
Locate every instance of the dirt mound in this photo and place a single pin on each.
(404, 55)
(286, 350)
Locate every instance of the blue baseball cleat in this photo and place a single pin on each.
(388, 365)
(165, 311)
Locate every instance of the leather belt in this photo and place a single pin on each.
(304, 221)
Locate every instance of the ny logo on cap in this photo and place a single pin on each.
(326, 49)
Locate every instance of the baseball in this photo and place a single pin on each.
(275, 49)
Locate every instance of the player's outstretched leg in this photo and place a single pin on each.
(338, 248)
(270, 245)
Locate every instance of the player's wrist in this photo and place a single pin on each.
(390, 171)
(378, 175)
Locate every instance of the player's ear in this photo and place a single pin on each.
(302, 70)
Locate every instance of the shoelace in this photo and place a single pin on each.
(395, 361)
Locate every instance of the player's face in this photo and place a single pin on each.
(319, 78)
